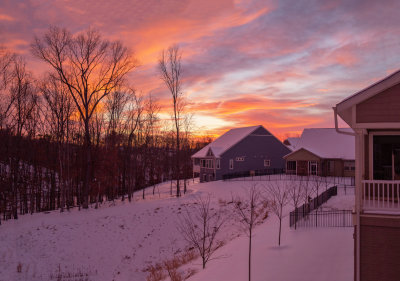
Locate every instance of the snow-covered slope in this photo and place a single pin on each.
(120, 239)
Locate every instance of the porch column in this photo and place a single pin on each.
(359, 175)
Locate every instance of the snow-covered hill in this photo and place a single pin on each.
(120, 239)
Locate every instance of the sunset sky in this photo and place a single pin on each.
(281, 64)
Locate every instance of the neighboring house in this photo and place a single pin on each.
(291, 143)
(322, 152)
(239, 150)
(374, 115)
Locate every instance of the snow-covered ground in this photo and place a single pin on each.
(120, 239)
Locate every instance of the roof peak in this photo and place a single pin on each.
(227, 140)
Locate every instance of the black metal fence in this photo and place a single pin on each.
(254, 173)
(338, 218)
(279, 174)
(304, 210)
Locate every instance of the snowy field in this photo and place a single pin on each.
(121, 239)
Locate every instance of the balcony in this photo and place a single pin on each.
(381, 196)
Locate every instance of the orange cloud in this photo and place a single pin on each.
(4, 17)
(244, 62)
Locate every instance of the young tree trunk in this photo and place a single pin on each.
(87, 177)
(250, 236)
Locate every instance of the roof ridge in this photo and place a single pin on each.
(236, 140)
(255, 127)
(370, 86)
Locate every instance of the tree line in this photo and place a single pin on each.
(81, 134)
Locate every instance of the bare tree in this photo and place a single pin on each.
(317, 184)
(171, 72)
(307, 188)
(6, 75)
(251, 211)
(200, 225)
(115, 106)
(59, 108)
(90, 67)
(278, 197)
(295, 190)
(24, 97)
(134, 119)
(186, 140)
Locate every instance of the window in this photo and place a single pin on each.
(291, 165)
(207, 163)
(240, 158)
(218, 163)
(331, 167)
(230, 164)
(267, 163)
(349, 166)
(386, 157)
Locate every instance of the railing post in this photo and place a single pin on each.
(344, 219)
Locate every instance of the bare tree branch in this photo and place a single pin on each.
(199, 225)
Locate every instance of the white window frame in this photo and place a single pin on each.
(267, 163)
(230, 164)
(240, 159)
(295, 164)
(371, 147)
(349, 165)
(311, 163)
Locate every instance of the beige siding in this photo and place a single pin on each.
(302, 155)
(383, 107)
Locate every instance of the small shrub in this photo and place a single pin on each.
(170, 267)
(156, 273)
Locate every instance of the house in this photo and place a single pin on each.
(321, 152)
(374, 115)
(247, 149)
(291, 143)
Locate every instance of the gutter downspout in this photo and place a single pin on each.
(358, 207)
(336, 124)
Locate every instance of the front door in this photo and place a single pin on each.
(312, 168)
(302, 168)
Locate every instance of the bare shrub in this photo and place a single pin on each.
(251, 211)
(72, 275)
(170, 268)
(200, 225)
(278, 197)
(295, 189)
(156, 273)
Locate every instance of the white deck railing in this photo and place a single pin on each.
(381, 195)
(196, 168)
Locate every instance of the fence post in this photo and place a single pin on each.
(344, 219)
